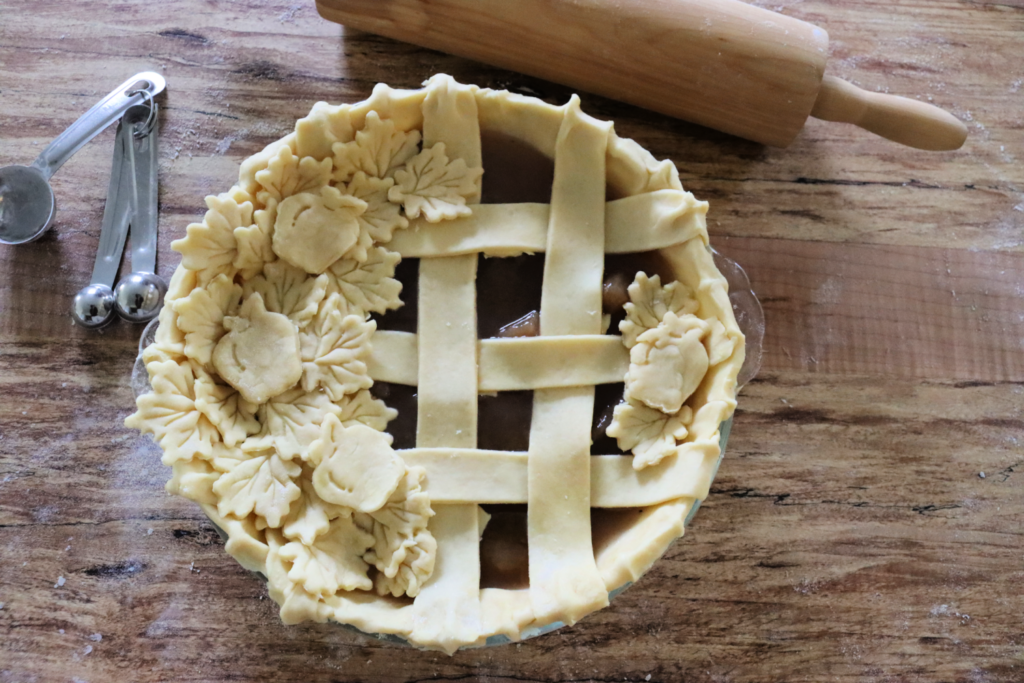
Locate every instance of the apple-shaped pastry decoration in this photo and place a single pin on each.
(315, 230)
(259, 355)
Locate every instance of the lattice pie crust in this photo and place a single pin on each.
(266, 352)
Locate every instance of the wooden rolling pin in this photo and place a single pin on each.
(720, 63)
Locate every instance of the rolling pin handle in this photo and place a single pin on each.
(899, 119)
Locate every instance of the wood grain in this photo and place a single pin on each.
(849, 535)
(888, 311)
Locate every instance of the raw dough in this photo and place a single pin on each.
(259, 355)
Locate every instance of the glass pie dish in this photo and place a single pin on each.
(537, 462)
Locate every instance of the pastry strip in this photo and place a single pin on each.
(513, 364)
(394, 357)
(447, 352)
(463, 475)
(640, 223)
(492, 229)
(447, 610)
(564, 581)
(447, 298)
(468, 475)
(506, 612)
(544, 362)
(627, 556)
(370, 614)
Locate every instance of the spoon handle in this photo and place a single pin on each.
(145, 216)
(102, 114)
(118, 210)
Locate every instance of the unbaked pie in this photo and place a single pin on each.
(385, 371)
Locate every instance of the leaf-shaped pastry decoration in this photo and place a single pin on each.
(169, 338)
(649, 302)
(225, 459)
(234, 417)
(403, 549)
(263, 484)
(287, 175)
(434, 186)
(168, 334)
(170, 415)
(312, 231)
(257, 162)
(367, 287)
(355, 466)
(381, 218)
(719, 343)
(259, 355)
(201, 316)
(183, 281)
(415, 569)
(378, 149)
(651, 434)
(157, 352)
(668, 363)
(333, 562)
(336, 346)
(255, 242)
(296, 604)
(362, 408)
(289, 291)
(211, 245)
(291, 422)
(193, 479)
(310, 516)
(325, 125)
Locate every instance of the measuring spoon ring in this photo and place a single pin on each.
(139, 295)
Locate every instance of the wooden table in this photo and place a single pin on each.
(866, 523)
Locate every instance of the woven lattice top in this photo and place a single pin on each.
(266, 352)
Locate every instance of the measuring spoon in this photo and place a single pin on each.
(138, 296)
(93, 306)
(27, 204)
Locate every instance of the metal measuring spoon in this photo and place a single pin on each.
(27, 204)
(138, 296)
(93, 306)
